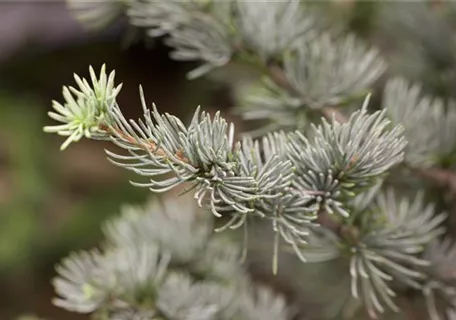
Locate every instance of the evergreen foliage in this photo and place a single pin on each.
(161, 263)
(320, 185)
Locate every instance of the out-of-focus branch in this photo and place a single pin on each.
(276, 73)
(441, 177)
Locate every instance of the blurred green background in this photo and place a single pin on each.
(53, 202)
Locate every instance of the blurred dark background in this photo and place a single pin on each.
(53, 202)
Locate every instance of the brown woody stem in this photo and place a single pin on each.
(441, 177)
(149, 146)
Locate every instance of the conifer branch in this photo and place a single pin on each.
(328, 175)
(428, 147)
(280, 177)
(442, 177)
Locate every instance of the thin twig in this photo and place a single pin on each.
(330, 112)
(441, 177)
(149, 146)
